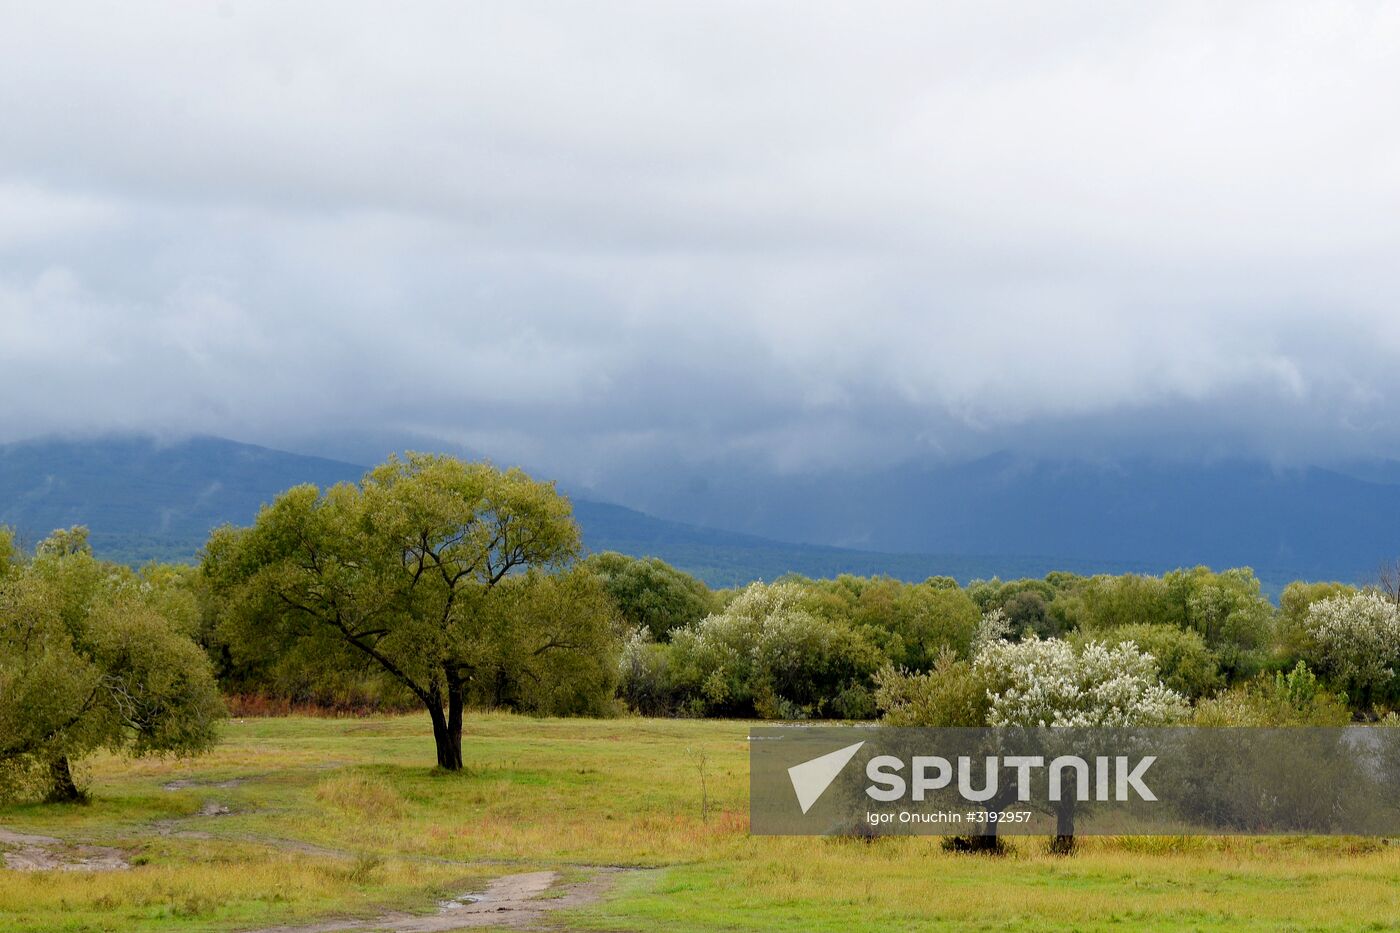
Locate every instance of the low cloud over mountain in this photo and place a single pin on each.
(793, 237)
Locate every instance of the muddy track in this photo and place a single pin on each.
(521, 900)
(511, 901)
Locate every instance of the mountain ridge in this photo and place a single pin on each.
(149, 499)
(1303, 521)
(146, 498)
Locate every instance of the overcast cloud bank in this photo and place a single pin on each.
(800, 235)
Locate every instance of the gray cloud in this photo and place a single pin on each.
(798, 235)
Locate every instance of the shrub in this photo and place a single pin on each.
(1292, 699)
(645, 681)
(766, 655)
(855, 702)
(951, 694)
(1025, 602)
(1029, 612)
(1184, 663)
(1355, 642)
(993, 627)
(1107, 602)
(1293, 640)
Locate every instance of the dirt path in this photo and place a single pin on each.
(27, 852)
(519, 901)
(512, 901)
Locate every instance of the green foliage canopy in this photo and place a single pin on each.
(406, 570)
(95, 655)
(650, 593)
(1186, 664)
(768, 654)
(911, 622)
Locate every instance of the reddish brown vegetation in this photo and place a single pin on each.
(248, 705)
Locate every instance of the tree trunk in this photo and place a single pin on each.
(987, 842)
(62, 789)
(454, 721)
(449, 746)
(1063, 844)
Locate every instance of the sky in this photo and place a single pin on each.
(792, 236)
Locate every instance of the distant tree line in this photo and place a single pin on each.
(856, 647)
(443, 586)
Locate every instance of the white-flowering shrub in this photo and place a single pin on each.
(1048, 683)
(1356, 640)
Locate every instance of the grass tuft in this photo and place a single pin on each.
(362, 795)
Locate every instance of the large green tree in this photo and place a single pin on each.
(95, 655)
(406, 570)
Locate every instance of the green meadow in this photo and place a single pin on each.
(295, 820)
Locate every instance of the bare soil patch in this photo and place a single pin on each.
(516, 901)
(188, 784)
(28, 852)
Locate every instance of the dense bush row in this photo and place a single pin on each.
(662, 643)
(851, 647)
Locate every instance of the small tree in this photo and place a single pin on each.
(1227, 609)
(404, 571)
(1035, 683)
(95, 656)
(1230, 611)
(910, 622)
(1293, 640)
(951, 694)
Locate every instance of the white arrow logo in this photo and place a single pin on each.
(811, 778)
